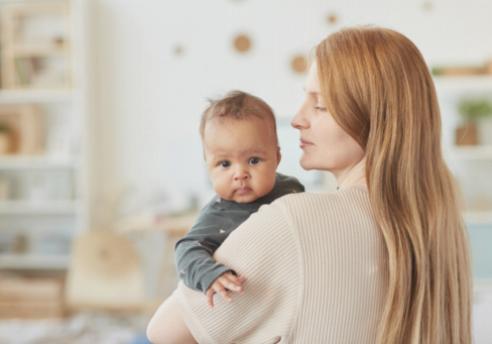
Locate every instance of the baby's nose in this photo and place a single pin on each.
(241, 174)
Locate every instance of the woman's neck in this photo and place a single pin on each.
(352, 176)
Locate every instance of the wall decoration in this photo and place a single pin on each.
(242, 43)
(298, 63)
(427, 6)
(332, 18)
(178, 50)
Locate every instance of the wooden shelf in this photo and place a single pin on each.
(21, 96)
(38, 208)
(34, 162)
(32, 261)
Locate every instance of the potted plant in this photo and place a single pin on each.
(471, 110)
(5, 139)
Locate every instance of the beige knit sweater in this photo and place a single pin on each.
(316, 272)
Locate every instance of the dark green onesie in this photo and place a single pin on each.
(216, 221)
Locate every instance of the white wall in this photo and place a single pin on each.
(148, 101)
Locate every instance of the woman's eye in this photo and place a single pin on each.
(224, 163)
(320, 108)
(254, 161)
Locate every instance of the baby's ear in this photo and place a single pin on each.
(279, 156)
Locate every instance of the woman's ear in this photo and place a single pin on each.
(279, 156)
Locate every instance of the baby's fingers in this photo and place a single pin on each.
(210, 297)
(231, 282)
(219, 288)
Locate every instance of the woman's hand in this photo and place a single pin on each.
(223, 285)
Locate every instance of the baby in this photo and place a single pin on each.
(242, 155)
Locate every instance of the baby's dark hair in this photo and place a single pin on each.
(238, 105)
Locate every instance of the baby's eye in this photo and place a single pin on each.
(254, 160)
(224, 163)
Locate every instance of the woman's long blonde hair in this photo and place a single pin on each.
(378, 88)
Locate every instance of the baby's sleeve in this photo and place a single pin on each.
(263, 250)
(194, 252)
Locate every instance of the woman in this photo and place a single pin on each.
(385, 258)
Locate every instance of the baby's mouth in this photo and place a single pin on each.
(243, 190)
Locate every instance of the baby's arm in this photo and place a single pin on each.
(194, 257)
(198, 269)
(194, 253)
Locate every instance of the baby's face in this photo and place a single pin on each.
(242, 157)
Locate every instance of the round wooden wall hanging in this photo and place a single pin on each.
(178, 50)
(332, 18)
(427, 6)
(242, 43)
(298, 63)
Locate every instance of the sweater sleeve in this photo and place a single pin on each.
(263, 250)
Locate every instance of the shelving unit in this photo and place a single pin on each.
(450, 89)
(63, 162)
(33, 262)
(38, 208)
(26, 163)
(35, 96)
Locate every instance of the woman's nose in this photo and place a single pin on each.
(299, 121)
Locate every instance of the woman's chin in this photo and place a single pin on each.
(309, 164)
(306, 164)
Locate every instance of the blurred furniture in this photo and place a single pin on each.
(105, 273)
(174, 227)
(471, 165)
(44, 95)
(31, 297)
(466, 160)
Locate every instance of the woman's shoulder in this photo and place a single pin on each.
(304, 212)
(352, 197)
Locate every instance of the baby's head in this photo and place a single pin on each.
(240, 145)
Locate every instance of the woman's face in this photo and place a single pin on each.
(325, 145)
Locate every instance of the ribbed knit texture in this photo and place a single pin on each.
(316, 272)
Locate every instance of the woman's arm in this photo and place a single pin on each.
(167, 325)
(264, 251)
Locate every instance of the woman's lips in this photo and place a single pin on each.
(305, 143)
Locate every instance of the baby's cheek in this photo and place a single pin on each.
(225, 191)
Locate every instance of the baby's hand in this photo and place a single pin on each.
(224, 284)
